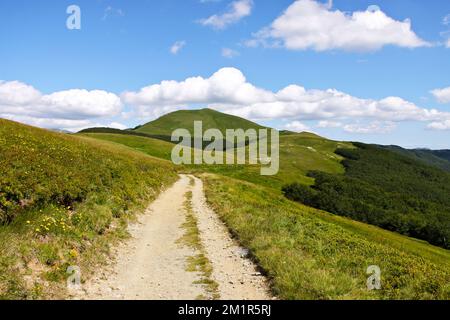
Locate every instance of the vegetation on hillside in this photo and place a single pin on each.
(299, 153)
(184, 119)
(310, 254)
(436, 158)
(63, 201)
(386, 189)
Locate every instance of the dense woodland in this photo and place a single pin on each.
(386, 189)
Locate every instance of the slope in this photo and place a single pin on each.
(165, 125)
(63, 200)
(299, 153)
(437, 158)
(311, 254)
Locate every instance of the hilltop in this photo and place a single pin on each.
(211, 119)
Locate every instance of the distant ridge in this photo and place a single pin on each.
(436, 158)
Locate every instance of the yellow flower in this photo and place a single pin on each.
(28, 221)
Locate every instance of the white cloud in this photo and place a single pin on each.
(238, 9)
(62, 109)
(308, 24)
(229, 53)
(228, 90)
(117, 125)
(439, 125)
(296, 126)
(371, 128)
(110, 11)
(329, 124)
(446, 20)
(17, 93)
(442, 95)
(447, 44)
(177, 46)
(65, 124)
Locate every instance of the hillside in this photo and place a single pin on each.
(299, 153)
(165, 125)
(437, 158)
(63, 201)
(311, 254)
(386, 189)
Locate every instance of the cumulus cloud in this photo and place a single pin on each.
(177, 46)
(229, 53)
(439, 125)
(117, 125)
(62, 109)
(308, 24)
(442, 95)
(329, 124)
(296, 126)
(238, 9)
(371, 128)
(228, 90)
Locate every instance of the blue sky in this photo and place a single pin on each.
(101, 75)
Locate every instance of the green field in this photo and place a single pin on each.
(299, 153)
(310, 254)
(85, 188)
(63, 201)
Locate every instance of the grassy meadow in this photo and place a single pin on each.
(311, 254)
(299, 153)
(63, 201)
(308, 253)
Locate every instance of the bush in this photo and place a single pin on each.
(300, 193)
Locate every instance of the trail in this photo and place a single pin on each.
(153, 264)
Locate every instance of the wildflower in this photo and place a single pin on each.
(28, 221)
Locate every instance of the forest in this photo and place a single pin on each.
(386, 189)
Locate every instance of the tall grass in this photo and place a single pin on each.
(310, 254)
(63, 201)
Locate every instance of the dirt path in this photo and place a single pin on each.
(153, 263)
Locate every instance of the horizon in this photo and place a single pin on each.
(248, 58)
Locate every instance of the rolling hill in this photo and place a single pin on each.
(386, 189)
(64, 200)
(308, 253)
(311, 254)
(165, 125)
(437, 158)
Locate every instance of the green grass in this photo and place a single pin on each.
(299, 153)
(153, 147)
(64, 200)
(310, 254)
(184, 119)
(199, 262)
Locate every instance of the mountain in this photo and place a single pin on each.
(90, 186)
(311, 254)
(211, 119)
(443, 154)
(437, 158)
